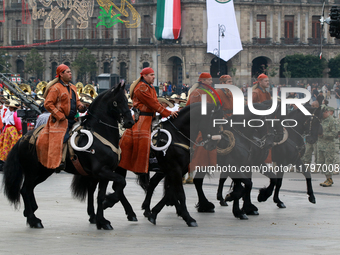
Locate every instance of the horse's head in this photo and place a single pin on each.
(312, 125)
(118, 106)
(112, 104)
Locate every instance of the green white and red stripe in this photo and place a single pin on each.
(168, 23)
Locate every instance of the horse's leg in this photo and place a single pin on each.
(276, 199)
(265, 193)
(308, 177)
(157, 208)
(235, 196)
(191, 222)
(203, 204)
(131, 216)
(27, 193)
(154, 181)
(101, 222)
(219, 196)
(119, 185)
(248, 207)
(90, 201)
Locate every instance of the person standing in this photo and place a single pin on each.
(62, 101)
(310, 148)
(326, 144)
(13, 130)
(337, 96)
(160, 91)
(135, 142)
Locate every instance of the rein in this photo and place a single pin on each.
(101, 122)
(201, 144)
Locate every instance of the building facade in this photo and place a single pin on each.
(269, 30)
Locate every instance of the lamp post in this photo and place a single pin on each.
(153, 24)
(221, 30)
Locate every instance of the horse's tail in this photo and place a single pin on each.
(80, 186)
(13, 176)
(143, 180)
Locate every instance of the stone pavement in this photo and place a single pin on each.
(301, 228)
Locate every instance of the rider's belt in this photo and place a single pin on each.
(146, 114)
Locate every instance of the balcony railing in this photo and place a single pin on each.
(262, 41)
(18, 42)
(122, 41)
(171, 42)
(291, 1)
(79, 42)
(144, 41)
(290, 41)
(316, 1)
(316, 41)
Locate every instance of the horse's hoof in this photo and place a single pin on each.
(253, 213)
(192, 224)
(92, 220)
(205, 210)
(132, 218)
(106, 226)
(281, 205)
(229, 198)
(312, 200)
(242, 217)
(152, 220)
(223, 203)
(107, 204)
(147, 214)
(37, 225)
(261, 198)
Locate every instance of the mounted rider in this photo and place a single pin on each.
(226, 96)
(62, 101)
(135, 142)
(202, 157)
(260, 94)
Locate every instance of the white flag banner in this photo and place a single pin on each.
(221, 13)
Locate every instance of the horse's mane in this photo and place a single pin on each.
(98, 99)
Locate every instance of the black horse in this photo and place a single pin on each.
(175, 162)
(251, 148)
(291, 151)
(23, 172)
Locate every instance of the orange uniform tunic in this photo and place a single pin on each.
(227, 100)
(50, 141)
(202, 157)
(136, 141)
(260, 95)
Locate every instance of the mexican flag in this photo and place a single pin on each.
(168, 22)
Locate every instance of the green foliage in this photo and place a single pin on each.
(334, 66)
(34, 63)
(106, 19)
(270, 70)
(84, 64)
(305, 66)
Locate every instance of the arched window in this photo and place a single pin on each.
(146, 64)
